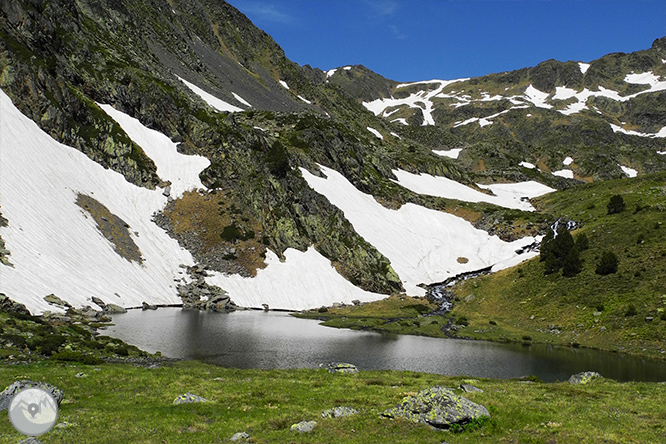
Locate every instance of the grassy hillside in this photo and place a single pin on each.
(622, 311)
(120, 403)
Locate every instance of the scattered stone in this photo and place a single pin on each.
(470, 298)
(266, 307)
(438, 407)
(167, 191)
(188, 398)
(337, 412)
(583, 378)
(55, 300)
(147, 306)
(8, 393)
(649, 318)
(356, 302)
(80, 375)
(304, 426)
(200, 295)
(470, 388)
(340, 367)
(114, 309)
(64, 425)
(240, 437)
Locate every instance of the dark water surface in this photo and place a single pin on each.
(253, 339)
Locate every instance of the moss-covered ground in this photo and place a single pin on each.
(121, 403)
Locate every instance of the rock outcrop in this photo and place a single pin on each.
(438, 407)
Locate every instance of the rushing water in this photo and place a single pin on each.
(252, 339)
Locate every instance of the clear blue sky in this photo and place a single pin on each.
(409, 40)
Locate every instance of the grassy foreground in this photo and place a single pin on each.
(123, 403)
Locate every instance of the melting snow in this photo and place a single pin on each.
(375, 132)
(304, 280)
(618, 129)
(507, 195)
(452, 153)
(305, 100)
(210, 99)
(241, 100)
(564, 173)
(538, 98)
(629, 171)
(284, 84)
(421, 244)
(567, 161)
(527, 165)
(180, 169)
(56, 247)
(583, 67)
(421, 99)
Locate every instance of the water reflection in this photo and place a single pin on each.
(251, 339)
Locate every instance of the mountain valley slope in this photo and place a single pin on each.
(292, 186)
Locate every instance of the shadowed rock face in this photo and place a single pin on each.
(438, 407)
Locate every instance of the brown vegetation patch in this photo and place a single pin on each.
(112, 227)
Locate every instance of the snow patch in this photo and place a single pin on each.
(305, 100)
(375, 132)
(284, 84)
(567, 161)
(452, 153)
(508, 195)
(527, 165)
(179, 169)
(629, 171)
(396, 135)
(210, 99)
(583, 67)
(660, 134)
(422, 244)
(400, 120)
(564, 173)
(538, 98)
(304, 280)
(241, 100)
(56, 246)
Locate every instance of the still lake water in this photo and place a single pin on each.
(269, 340)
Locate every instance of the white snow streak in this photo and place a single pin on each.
(564, 173)
(527, 165)
(241, 100)
(452, 153)
(180, 169)
(55, 246)
(583, 67)
(421, 244)
(284, 84)
(376, 133)
(304, 280)
(507, 195)
(210, 99)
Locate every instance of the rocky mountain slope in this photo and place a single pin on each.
(142, 138)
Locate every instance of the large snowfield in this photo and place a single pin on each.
(423, 245)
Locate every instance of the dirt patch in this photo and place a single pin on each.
(112, 227)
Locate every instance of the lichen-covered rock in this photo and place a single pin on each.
(438, 407)
(9, 306)
(188, 398)
(583, 378)
(337, 412)
(8, 393)
(304, 426)
(340, 367)
(470, 388)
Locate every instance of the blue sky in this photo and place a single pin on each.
(409, 40)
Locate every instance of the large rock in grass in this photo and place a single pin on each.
(188, 398)
(340, 367)
(438, 407)
(583, 378)
(8, 393)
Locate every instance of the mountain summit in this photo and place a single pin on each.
(159, 151)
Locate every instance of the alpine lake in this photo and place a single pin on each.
(276, 340)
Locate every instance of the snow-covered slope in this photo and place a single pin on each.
(55, 245)
(423, 245)
(304, 280)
